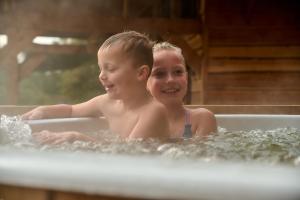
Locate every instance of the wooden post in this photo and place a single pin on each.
(12, 83)
(125, 8)
(205, 54)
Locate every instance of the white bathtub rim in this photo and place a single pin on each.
(234, 122)
(154, 178)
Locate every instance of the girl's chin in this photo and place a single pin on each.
(171, 100)
(172, 95)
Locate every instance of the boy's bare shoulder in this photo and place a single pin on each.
(153, 118)
(155, 107)
(102, 99)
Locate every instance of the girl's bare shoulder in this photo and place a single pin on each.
(202, 114)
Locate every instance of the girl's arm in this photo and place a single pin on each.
(206, 122)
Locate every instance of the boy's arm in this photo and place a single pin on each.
(50, 111)
(89, 108)
(154, 124)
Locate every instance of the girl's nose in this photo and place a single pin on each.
(170, 77)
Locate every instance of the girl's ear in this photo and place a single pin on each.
(143, 72)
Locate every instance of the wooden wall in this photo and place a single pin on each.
(253, 52)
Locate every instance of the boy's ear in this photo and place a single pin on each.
(143, 72)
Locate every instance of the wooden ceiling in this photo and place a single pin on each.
(91, 20)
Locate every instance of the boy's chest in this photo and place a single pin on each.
(122, 123)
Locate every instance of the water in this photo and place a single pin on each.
(278, 146)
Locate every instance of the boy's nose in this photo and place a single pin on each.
(102, 76)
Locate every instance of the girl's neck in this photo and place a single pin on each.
(175, 111)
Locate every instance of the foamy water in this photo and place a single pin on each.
(280, 145)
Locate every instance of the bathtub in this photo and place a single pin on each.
(61, 175)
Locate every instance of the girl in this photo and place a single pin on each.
(168, 84)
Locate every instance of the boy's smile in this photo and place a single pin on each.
(107, 86)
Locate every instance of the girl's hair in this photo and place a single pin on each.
(136, 45)
(167, 46)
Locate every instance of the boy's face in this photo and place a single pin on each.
(117, 73)
(168, 79)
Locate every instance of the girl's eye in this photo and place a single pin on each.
(159, 74)
(179, 72)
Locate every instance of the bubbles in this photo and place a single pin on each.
(275, 146)
(14, 131)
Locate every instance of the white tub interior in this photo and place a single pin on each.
(230, 122)
(148, 176)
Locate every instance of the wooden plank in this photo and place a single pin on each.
(254, 65)
(81, 196)
(255, 52)
(253, 97)
(253, 36)
(254, 81)
(17, 193)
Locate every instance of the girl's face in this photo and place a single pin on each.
(168, 79)
(117, 73)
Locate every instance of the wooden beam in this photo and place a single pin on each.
(61, 49)
(84, 25)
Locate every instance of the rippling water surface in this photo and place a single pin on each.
(280, 145)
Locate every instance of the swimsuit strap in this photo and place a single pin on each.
(187, 133)
(187, 115)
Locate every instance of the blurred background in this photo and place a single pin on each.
(238, 51)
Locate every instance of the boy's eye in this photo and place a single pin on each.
(111, 69)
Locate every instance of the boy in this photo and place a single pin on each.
(125, 61)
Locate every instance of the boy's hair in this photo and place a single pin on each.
(167, 46)
(136, 45)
